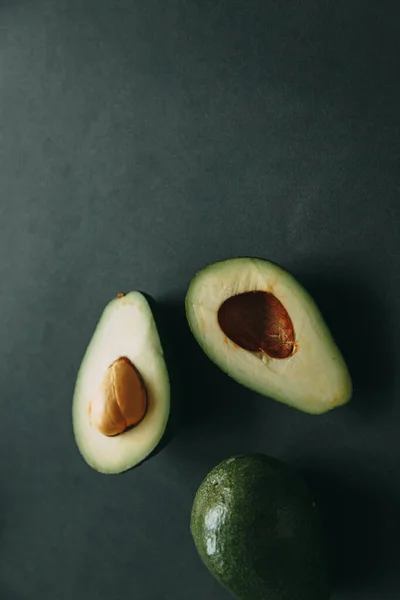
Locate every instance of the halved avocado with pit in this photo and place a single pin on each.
(258, 324)
(121, 401)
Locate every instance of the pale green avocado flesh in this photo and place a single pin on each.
(258, 324)
(126, 329)
(256, 528)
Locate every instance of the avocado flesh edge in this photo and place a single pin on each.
(257, 530)
(315, 379)
(125, 328)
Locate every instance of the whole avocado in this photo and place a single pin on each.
(257, 529)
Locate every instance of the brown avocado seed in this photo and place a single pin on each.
(257, 321)
(121, 400)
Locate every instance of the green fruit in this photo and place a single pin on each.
(258, 531)
(121, 401)
(260, 326)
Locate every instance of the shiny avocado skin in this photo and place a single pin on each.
(256, 528)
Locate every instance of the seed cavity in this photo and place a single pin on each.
(121, 400)
(258, 322)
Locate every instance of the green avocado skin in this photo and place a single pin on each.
(257, 530)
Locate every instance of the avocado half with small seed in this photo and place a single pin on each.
(121, 401)
(258, 324)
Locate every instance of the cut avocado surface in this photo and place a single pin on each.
(258, 531)
(121, 400)
(259, 325)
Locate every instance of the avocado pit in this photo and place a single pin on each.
(121, 400)
(258, 322)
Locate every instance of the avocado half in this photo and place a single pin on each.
(257, 323)
(126, 356)
(258, 531)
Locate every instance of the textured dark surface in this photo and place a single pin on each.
(140, 141)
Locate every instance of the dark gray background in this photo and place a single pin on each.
(141, 140)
